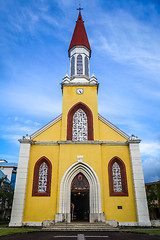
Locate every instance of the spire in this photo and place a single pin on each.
(79, 36)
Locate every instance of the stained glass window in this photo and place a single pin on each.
(80, 182)
(80, 126)
(117, 181)
(42, 182)
(79, 65)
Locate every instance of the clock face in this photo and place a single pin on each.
(79, 90)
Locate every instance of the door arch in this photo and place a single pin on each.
(94, 193)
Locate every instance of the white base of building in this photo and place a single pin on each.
(111, 223)
(134, 224)
(66, 217)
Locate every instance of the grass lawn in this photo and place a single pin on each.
(154, 231)
(5, 231)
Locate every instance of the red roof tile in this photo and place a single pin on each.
(79, 35)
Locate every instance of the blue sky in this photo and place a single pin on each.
(125, 41)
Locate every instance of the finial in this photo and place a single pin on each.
(79, 8)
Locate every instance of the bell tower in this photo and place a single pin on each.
(79, 53)
(79, 90)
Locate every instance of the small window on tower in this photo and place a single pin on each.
(86, 67)
(79, 65)
(72, 66)
(80, 126)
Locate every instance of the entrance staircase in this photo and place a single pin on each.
(78, 226)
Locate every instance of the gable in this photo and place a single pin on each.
(109, 132)
(50, 132)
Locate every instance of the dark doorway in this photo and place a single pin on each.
(80, 198)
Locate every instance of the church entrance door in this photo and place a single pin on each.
(80, 198)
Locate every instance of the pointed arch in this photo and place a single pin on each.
(36, 191)
(88, 112)
(122, 172)
(94, 185)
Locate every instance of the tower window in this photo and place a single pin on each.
(80, 126)
(72, 66)
(86, 67)
(42, 177)
(79, 65)
(80, 123)
(117, 177)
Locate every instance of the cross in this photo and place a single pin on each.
(79, 8)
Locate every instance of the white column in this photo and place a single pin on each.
(139, 186)
(21, 183)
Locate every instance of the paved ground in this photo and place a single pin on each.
(79, 236)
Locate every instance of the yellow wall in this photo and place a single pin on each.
(108, 134)
(70, 98)
(128, 211)
(63, 156)
(41, 208)
(53, 133)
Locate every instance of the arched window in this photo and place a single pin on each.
(117, 177)
(42, 181)
(80, 131)
(80, 123)
(79, 65)
(72, 66)
(86, 67)
(42, 177)
(80, 182)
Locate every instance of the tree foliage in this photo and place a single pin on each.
(153, 197)
(6, 195)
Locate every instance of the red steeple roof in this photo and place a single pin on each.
(79, 36)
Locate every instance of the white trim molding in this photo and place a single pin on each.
(96, 214)
(21, 183)
(92, 142)
(139, 186)
(127, 224)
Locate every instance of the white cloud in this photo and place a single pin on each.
(36, 124)
(15, 119)
(151, 168)
(151, 148)
(20, 128)
(28, 121)
(35, 103)
(128, 40)
(13, 138)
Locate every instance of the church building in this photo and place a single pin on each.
(79, 167)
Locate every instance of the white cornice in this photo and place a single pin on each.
(113, 127)
(46, 126)
(110, 143)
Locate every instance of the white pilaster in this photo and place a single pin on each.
(21, 183)
(139, 186)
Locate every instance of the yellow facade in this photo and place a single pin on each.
(63, 154)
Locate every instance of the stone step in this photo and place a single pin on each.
(78, 227)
